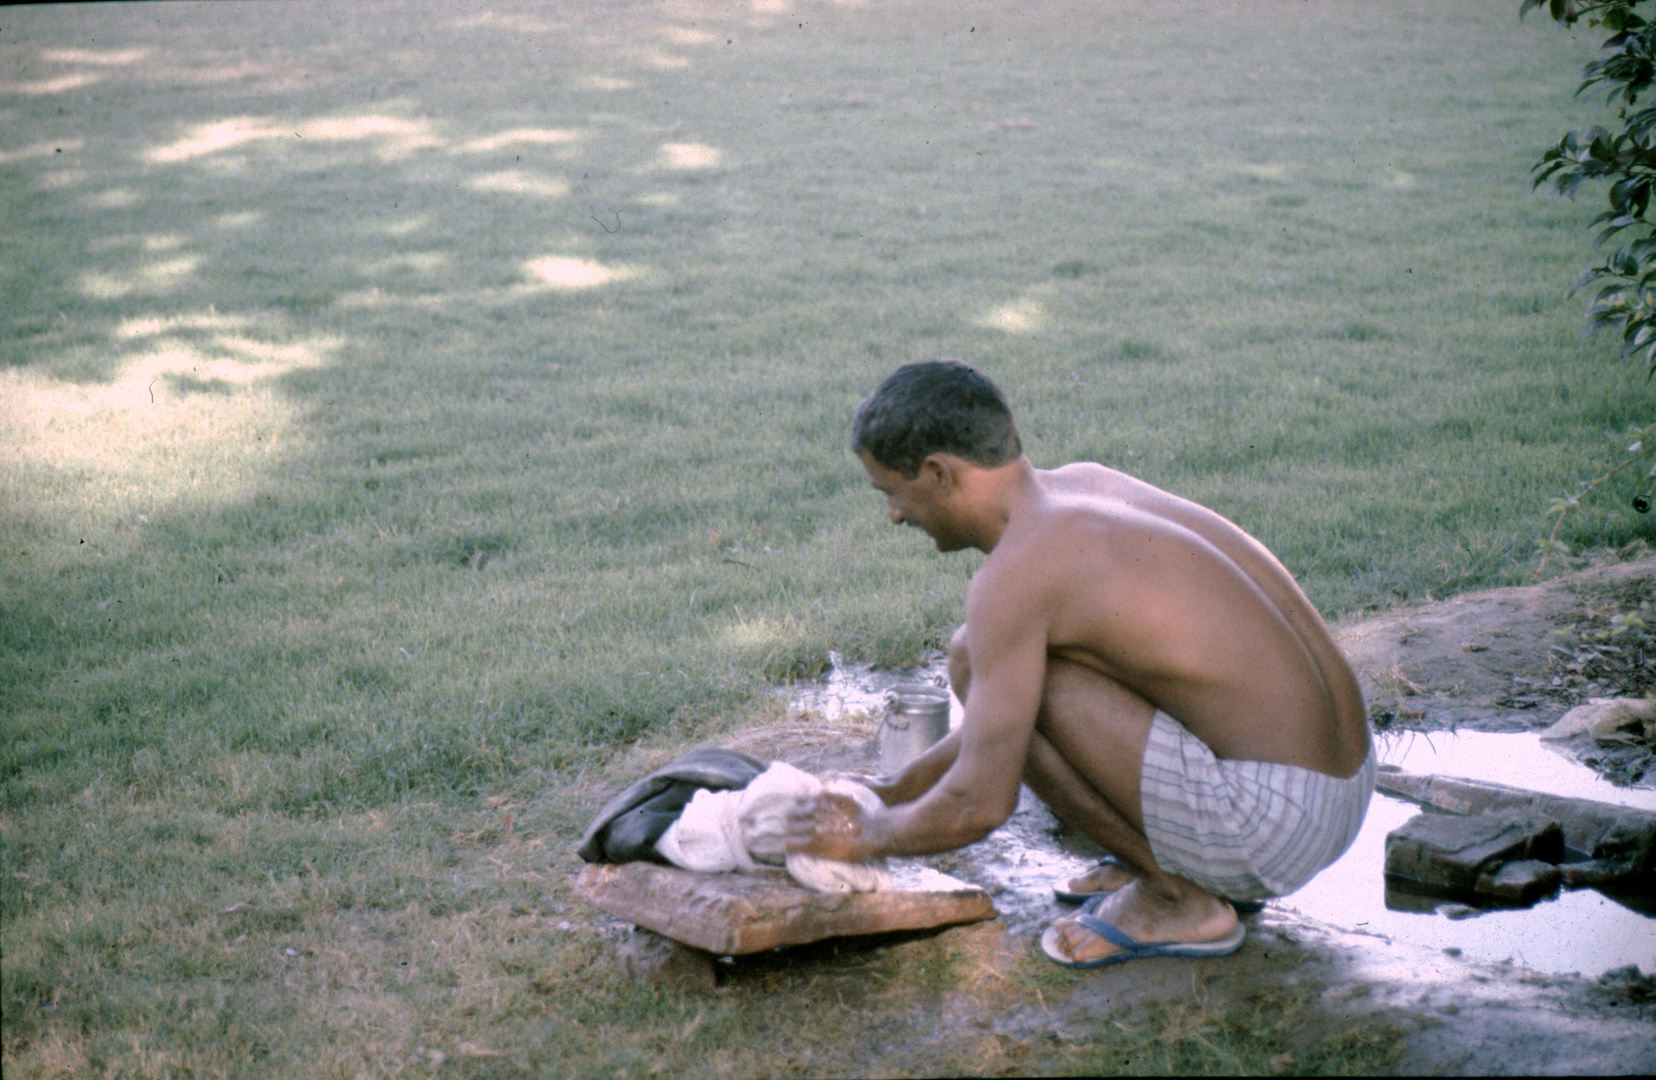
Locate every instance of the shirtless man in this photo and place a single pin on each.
(1147, 668)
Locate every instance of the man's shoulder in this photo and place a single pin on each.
(1054, 544)
(1084, 471)
(1091, 478)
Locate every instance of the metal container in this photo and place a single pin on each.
(917, 715)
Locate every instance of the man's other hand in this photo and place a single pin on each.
(826, 825)
(879, 785)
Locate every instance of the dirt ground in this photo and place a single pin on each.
(1486, 661)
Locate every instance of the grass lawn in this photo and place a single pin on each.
(418, 419)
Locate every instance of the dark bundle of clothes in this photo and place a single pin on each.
(629, 825)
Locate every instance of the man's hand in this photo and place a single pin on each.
(879, 785)
(827, 825)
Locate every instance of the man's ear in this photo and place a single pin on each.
(942, 471)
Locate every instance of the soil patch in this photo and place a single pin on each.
(1510, 659)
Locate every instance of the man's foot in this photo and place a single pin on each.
(1133, 922)
(1108, 876)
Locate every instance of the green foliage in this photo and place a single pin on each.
(1626, 299)
(1626, 158)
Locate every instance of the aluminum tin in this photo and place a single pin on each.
(917, 715)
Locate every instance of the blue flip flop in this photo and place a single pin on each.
(1132, 948)
(1065, 896)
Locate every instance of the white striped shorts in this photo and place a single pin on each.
(1244, 830)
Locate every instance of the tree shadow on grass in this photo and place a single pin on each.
(308, 349)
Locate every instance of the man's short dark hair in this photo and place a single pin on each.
(935, 407)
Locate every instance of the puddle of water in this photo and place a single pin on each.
(1581, 930)
(1515, 759)
(853, 688)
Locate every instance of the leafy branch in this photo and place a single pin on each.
(1637, 452)
(1627, 158)
(1626, 297)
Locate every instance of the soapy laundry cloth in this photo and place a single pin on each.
(722, 831)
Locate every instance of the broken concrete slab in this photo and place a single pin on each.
(735, 914)
(1617, 835)
(1588, 875)
(1603, 718)
(1448, 854)
(1521, 882)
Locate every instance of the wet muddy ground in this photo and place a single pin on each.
(1459, 687)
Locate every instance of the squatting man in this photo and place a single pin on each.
(1150, 670)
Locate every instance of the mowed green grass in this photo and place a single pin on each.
(417, 420)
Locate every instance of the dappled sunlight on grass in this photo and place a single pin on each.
(147, 279)
(239, 219)
(97, 57)
(182, 417)
(553, 273)
(407, 226)
(690, 157)
(520, 137)
(58, 179)
(210, 138)
(517, 22)
(394, 136)
(60, 84)
(1022, 316)
(1266, 170)
(605, 82)
(114, 199)
(565, 272)
(519, 182)
(661, 61)
(758, 631)
(150, 326)
(686, 35)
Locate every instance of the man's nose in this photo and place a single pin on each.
(893, 513)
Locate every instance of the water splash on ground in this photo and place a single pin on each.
(1580, 931)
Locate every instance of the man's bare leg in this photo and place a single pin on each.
(1090, 722)
(1084, 762)
(1066, 788)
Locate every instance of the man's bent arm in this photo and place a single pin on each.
(979, 788)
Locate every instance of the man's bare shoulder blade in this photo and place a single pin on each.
(1092, 477)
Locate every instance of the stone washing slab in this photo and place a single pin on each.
(736, 914)
(1520, 883)
(1621, 836)
(1451, 854)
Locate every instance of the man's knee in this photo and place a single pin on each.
(960, 666)
(1044, 765)
(1075, 693)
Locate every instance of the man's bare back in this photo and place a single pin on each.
(1179, 605)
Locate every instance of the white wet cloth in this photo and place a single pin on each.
(723, 831)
